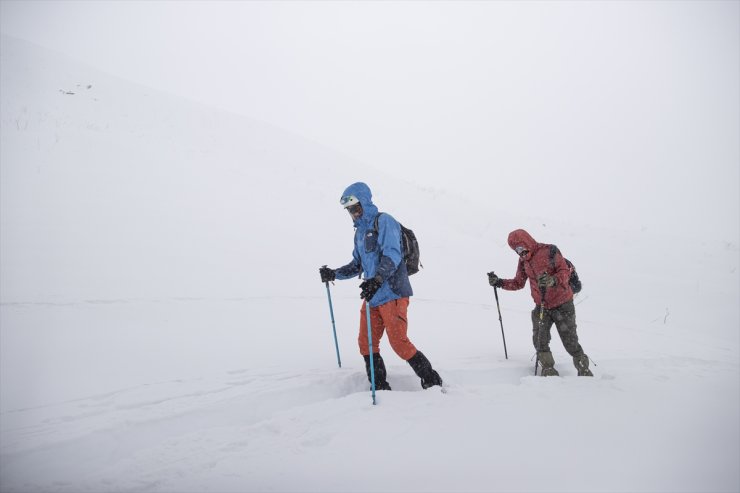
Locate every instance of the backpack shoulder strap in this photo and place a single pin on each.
(376, 221)
(553, 251)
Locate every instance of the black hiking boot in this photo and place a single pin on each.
(380, 382)
(581, 364)
(423, 369)
(548, 364)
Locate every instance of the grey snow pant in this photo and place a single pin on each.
(564, 318)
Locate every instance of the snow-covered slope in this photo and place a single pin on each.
(162, 325)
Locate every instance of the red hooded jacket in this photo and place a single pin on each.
(533, 265)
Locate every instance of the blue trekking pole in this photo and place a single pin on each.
(333, 325)
(370, 346)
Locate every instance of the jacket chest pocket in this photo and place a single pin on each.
(532, 273)
(371, 241)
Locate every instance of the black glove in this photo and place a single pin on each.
(495, 280)
(327, 274)
(370, 286)
(545, 280)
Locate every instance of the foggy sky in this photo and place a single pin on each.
(625, 113)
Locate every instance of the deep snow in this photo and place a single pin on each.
(163, 327)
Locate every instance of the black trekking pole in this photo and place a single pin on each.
(498, 306)
(542, 303)
(543, 290)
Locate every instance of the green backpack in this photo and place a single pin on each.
(409, 248)
(573, 280)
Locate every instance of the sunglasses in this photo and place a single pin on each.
(521, 251)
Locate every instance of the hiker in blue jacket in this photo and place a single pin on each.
(378, 255)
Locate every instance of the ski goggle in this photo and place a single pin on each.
(521, 251)
(349, 200)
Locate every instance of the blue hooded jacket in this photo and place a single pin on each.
(377, 252)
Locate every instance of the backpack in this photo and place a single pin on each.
(409, 248)
(573, 280)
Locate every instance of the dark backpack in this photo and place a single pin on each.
(409, 248)
(573, 280)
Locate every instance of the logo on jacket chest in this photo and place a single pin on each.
(371, 241)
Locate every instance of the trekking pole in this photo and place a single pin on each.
(543, 291)
(542, 304)
(495, 293)
(333, 325)
(370, 347)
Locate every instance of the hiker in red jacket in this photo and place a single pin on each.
(548, 281)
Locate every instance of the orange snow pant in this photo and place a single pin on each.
(389, 317)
